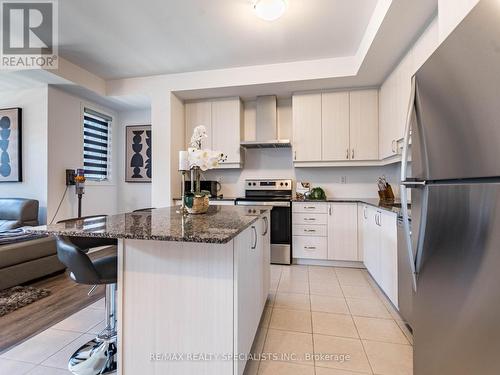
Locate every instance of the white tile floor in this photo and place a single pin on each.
(310, 310)
(331, 311)
(48, 352)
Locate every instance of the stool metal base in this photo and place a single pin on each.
(94, 358)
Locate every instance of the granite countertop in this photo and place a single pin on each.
(396, 207)
(219, 225)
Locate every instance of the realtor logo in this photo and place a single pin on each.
(29, 34)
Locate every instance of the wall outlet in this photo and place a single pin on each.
(343, 179)
(70, 177)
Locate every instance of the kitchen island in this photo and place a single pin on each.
(191, 289)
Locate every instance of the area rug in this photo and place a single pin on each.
(19, 296)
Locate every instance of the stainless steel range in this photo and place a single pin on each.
(276, 193)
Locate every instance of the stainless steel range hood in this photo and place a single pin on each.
(266, 131)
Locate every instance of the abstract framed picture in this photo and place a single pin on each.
(138, 166)
(11, 145)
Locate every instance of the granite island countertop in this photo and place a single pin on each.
(219, 225)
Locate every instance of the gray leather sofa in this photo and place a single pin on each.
(23, 261)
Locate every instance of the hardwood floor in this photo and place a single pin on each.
(66, 299)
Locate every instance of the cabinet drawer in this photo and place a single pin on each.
(320, 208)
(309, 219)
(309, 230)
(309, 247)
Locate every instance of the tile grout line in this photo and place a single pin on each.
(311, 315)
(360, 340)
(270, 318)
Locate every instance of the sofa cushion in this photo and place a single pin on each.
(19, 210)
(26, 251)
(9, 224)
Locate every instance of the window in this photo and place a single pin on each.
(96, 145)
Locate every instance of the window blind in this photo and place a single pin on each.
(96, 144)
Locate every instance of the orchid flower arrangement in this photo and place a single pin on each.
(199, 158)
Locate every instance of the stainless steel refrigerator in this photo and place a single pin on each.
(454, 177)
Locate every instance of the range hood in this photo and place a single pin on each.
(266, 128)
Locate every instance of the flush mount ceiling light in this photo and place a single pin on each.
(269, 10)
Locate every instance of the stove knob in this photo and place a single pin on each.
(249, 184)
(286, 183)
(254, 184)
(281, 183)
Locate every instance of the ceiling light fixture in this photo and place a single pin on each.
(269, 10)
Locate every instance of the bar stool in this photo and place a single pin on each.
(98, 356)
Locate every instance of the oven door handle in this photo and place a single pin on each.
(267, 225)
(257, 203)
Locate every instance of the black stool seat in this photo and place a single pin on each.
(106, 269)
(83, 269)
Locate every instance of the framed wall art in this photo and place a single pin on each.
(11, 145)
(138, 166)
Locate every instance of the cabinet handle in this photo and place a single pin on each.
(364, 213)
(309, 247)
(267, 225)
(295, 155)
(309, 219)
(347, 154)
(380, 219)
(330, 210)
(376, 216)
(309, 208)
(352, 154)
(309, 230)
(254, 246)
(392, 146)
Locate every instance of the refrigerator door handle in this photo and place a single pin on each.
(405, 185)
(407, 234)
(406, 139)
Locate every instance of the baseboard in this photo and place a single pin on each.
(328, 263)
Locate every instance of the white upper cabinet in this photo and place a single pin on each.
(223, 119)
(227, 128)
(394, 104)
(199, 113)
(332, 128)
(306, 112)
(335, 126)
(343, 231)
(364, 125)
(394, 96)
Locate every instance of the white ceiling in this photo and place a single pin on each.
(402, 25)
(126, 38)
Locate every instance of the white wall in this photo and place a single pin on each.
(131, 195)
(271, 163)
(451, 13)
(177, 143)
(65, 151)
(34, 133)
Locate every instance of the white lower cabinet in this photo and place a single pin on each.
(252, 265)
(343, 231)
(308, 247)
(310, 230)
(325, 231)
(389, 256)
(379, 245)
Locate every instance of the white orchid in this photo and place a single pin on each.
(205, 159)
(199, 158)
(199, 133)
